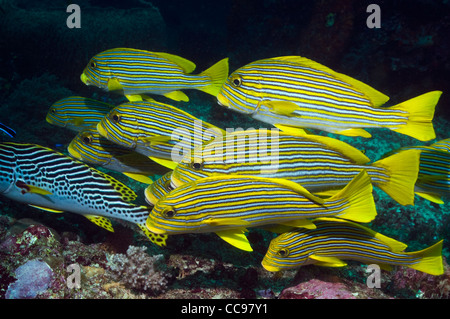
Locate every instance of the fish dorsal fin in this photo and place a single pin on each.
(51, 210)
(126, 193)
(139, 177)
(376, 98)
(328, 261)
(164, 162)
(114, 85)
(185, 64)
(101, 221)
(236, 238)
(177, 96)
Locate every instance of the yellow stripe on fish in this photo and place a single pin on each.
(160, 131)
(158, 189)
(77, 113)
(90, 147)
(138, 72)
(320, 164)
(294, 91)
(54, 182)
(229, 204)
(335, 240)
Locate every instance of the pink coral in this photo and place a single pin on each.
(317, 289)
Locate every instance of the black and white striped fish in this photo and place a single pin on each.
(52, 181)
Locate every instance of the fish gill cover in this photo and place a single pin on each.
(397, 48)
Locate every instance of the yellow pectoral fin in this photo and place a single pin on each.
(153, 140)
(236, 238)
(431, 197)
(177, 96)
(37, 190)
(164, 162)
(353, 132)
(281, 107)
(292, 130)
(51, 210)
(304, 223)
(328, 261)
(226, 222)
(101, 221)
(77, 121)
(114, 85)
(139, 177)
(133, 97)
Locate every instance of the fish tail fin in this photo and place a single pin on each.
(218, 74)
(402, 169)
(358, 193)
(420, 114)
(430, 260)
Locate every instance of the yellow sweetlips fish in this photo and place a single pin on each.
(320, 164)
(335, 240)
(157, 130)
(90, 147)
(51, 181)
(229, 204)
(138, 72)
(293, 91)
(77, 113)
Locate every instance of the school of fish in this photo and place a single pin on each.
(315, 192)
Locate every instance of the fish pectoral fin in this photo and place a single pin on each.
(328, 261)
(139, 177)
(226, 222)
(157, 239)
(281, 107)
(292, 130)
(304, 223)
(77, 121)
(32, 189)
(352, 132)
(157, 139)
(177, 96)
(236, 238)
(133, 97)
(164, 162)
(435, 198)
(114, 85)
(51, 210)
(101, 221)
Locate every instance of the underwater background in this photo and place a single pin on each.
(42, 60)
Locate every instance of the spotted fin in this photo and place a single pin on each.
(157, 239)
(236, 238)
(126, 193)
(101, 221)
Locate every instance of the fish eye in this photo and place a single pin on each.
(283, 252)
(196, 166)
(168, 213)
(87, 139)
(53, 111)
(236, 81)
(93, 65)
(115, 118)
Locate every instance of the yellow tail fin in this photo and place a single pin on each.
(431, 260)
(403, 169)
(361, 205)
(218, 74)
(420, 114)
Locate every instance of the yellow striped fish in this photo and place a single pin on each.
(77, 113)
(294, 91)
(138, 72)
(51, 181)
(160, 131)
(229, 204)
(90, 147)
(335, 240)
(320, 164)
(158, 189)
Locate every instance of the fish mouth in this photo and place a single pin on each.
(101, 130)
(151, 227)
(84, 79)
(222, 100)
(175, 182)
(149, 197)
(269, 267)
